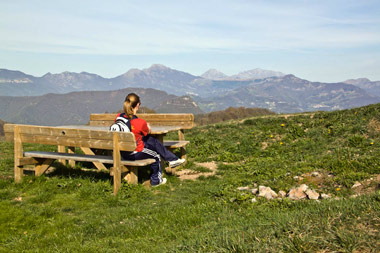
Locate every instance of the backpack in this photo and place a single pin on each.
(121, 124)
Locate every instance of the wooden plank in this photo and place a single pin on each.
(62, 149)
(77, 142)
(132, 177)
(145, 116)
(185, 120)
(79, 131)
(72, 132)
(86, 158)
(116, 165)
(71, 150)
(43, 166)
(18, 154)
(124, 169)
(27, 161)
(175, 144)
(98, 165)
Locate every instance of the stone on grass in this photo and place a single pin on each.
(282, 194)
(298, 192)
(357, 184)
(298, 178)
(243, 188)
(253, 200)
(267, 192)
(254, 191)
(315, 174)
(325, 196)
(311, 194)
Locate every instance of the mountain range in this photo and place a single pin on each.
(76, 107)
(170, 90)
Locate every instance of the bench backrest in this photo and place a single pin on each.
(70, 137)
(185, 120)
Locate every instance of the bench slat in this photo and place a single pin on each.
(175, 144)
(185, 120)
(85, 158)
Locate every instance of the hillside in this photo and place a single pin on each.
(2, 127)
(334, 154)
(231, 113)
(75, 107)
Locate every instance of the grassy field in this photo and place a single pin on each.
(70, 210)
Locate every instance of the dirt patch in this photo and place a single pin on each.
(187, 174)
(374, 126)
(367, 186)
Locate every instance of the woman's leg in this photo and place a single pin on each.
(153, 144)
(156, 171)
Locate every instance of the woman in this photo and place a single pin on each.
(147, 145)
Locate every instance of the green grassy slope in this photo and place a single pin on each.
(70, 210)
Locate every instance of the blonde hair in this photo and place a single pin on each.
(130, 102)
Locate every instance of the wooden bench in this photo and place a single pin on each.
(181, 120)
(71, 137)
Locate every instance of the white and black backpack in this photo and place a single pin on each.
(121, 125)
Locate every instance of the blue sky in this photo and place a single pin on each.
(318, 40)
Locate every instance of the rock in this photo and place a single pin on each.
(315, 174)
(298, 178)
(267, 192)
(282, 194)
(303, 187)
(357, 184)
(298, 193)
(244, 188)
(254, 191)
(253, 200)
(325, 196)
(311, 194)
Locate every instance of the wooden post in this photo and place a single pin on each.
(19, 153)
(71, 150)
(116, 164)
(98, 165)
(132, 177)
(62, 149)
(181, 137)
(41, 168)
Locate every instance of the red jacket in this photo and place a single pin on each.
(139, 129)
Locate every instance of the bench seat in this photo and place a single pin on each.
(175, 144)
(86, 158)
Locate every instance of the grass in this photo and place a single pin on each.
(73, 210)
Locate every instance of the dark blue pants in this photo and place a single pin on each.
(153, 148)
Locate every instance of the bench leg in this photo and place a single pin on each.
(43, 166)
(98, 165)
(183, 153)
(18, 154)
(62, 149)
(116, 164)
(71, 150)
(19, 173)
(132, 177)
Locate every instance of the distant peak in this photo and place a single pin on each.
(358, 80)
(158, 67)
(213, 74)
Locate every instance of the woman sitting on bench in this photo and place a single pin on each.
(147, 145)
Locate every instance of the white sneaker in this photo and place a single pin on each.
(163, 181)
(176, 163)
